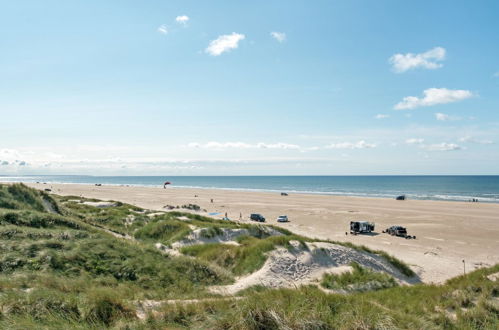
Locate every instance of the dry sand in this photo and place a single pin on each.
(301, 265)
(447, 232)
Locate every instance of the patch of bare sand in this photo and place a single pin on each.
(101, 205)
(306, 263)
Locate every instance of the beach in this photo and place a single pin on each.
(446, 232)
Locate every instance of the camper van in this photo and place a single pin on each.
(361, 227)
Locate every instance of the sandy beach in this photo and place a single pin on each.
(447, 232)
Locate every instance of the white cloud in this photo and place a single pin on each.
(102, 147)
(183, 19)
(279, 36)
(381, 116)
(10, 154)
(13, 158)
(414, 141)
(470, 139)
(433, 96)
(163, 29)
(224, 43)
(444, 117)
(280, 145)
(427, 60)
(444, 146)
(349, 145)
(243, 145)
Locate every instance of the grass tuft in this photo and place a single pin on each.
(359, 279)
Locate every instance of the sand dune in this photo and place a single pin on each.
(301, 265)
(447, 232)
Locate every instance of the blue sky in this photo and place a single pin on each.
(249, 87)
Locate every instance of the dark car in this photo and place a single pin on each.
(257, 217)
(398, 231)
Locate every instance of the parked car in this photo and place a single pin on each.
(283, 218)
(360, 227)
(257, 217)
(398, 231)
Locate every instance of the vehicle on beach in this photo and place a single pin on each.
(257, 217)
(361, 227)
(400, 198)
(398, 231)
(283, 218)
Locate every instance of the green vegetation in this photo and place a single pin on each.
(359, 279)
(20, 197)
(245, 258)
(402, 307)
(121, 218)
(68, 265)
(66, 268)
(163, 231)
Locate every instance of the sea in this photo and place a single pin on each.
(485, 188)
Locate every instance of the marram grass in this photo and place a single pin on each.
(64, 265)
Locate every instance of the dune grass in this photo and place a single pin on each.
(416, 307)
(20, 197)
(163, 231)
(60, 270)
(245, 258)
(359, 279)
(122, 218)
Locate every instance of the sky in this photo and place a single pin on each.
(349, 87)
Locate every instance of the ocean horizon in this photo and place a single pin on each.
(485, 188)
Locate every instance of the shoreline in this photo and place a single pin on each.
(447, 232)
(294, 192)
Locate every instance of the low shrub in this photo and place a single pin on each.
(105, 306)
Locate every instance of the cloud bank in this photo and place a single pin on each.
(444, 146)
(349, 145)
(242, 145)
